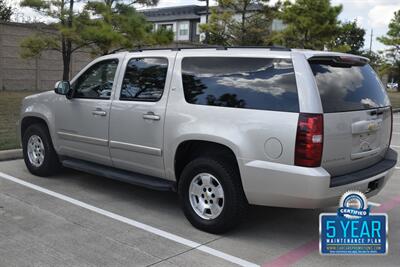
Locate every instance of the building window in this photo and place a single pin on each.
(278, 25)
(167, 27)
(184, 29)
(197, 28)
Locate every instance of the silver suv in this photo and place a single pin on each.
(224, 127)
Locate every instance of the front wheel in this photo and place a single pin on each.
(211, 195)
(39, 155)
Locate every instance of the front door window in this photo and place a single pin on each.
(97, 81)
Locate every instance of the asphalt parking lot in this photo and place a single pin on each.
(78, 219)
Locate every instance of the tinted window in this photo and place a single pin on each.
(348, 88)
(97, 81)
(252, 83)
(144, 79)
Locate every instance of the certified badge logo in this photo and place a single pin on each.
(353, 205)
(353, 229)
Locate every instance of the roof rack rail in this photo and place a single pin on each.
(117, 51)
(271, 47)
(178, 48)
(218, 47)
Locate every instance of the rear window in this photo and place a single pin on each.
(236, 82)
(348, 88)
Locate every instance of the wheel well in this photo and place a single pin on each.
(189, 150)
(27, 121)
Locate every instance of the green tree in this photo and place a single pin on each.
(251, 27)
(311, 24)
(378, 62)
(217, 30)
(117, 27)
(350, 38)
(111, 3)
(5, 11)
(105, 25)
(64, 40)
(392, 39)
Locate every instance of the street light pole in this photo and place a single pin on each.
(207, 13)
(370, 41)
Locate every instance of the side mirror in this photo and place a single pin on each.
(63, 88)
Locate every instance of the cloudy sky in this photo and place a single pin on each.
(370, 14)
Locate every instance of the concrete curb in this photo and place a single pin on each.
(10, 154)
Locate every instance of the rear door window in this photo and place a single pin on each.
(237, 82)
(144, 79)
(348, 88)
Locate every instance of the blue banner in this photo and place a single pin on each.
(364, 235)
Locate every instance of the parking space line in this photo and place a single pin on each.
(134, 223)
(393, 146)
(370, 203)
(294, 255)
(311, 246)
(389, 205)
(395, 132)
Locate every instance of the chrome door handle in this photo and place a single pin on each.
(99, 112)
(151, 116)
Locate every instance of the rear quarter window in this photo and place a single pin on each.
(348, 88)
(238, 82)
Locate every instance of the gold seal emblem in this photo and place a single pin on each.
(372, 126)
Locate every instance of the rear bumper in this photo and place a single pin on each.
(273, 184)
(387, 163)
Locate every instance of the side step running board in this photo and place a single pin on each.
(120, 175)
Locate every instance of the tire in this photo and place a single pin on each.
(47, 165)
(231, 209)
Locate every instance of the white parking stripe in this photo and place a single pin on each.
(134, 223)
(396, 133)
(393, 146)
(374, 204)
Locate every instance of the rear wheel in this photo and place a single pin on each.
(39, 155)
(211, 195)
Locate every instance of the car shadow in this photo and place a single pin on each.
(259, 222)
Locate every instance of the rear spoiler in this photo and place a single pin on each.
(339, 60)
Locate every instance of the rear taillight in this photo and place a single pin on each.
(309, 140)
(391, 125)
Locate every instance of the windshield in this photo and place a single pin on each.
(347, 88)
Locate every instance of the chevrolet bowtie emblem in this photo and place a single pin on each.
(372, 126)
